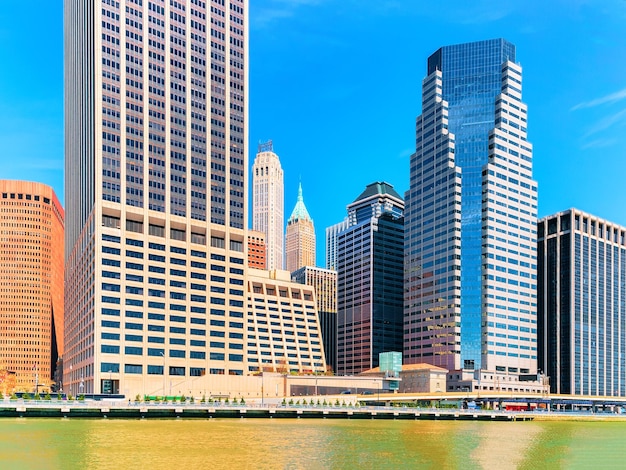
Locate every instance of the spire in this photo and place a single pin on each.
(299, 211)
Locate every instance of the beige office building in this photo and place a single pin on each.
(283, 330)
(300, 238)
(156, 177)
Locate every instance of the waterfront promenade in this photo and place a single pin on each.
(146, 410)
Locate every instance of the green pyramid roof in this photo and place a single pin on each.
(378, 188)
(299, 211)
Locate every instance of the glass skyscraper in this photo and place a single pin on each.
(470, 254)
(582, 303)
(369, 279)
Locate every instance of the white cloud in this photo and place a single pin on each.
(611, 98)
(599, 143)
(606, 123)
(279, 10)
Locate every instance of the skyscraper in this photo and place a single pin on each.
(582, 311)
(470, 252)
(300, 238)
(369, 279)
(269, 203)
(31, 273)
(156, 176)
(331, 242)
(324, 283)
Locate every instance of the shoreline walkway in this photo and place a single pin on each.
(141, 410)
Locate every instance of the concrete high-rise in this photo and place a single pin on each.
(331, 242)
(156, 177)
(324, 283)
(268, 203)
(300, 237)
(582, 308)
(31, 273)
(471, 213)
(370, 279)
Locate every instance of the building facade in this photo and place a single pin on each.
(31, 297)
(331, 243)
(470, 300)
(300, 237)
(283, 330)
(324, 283)
(156, 176)
(370, 279)
(582, 303)
(268, 203)
(257, 251)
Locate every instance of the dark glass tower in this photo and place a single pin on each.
(369, 279)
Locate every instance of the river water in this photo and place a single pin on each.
(308, 444)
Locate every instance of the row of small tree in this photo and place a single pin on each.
(183, 399)
(37, 397)
(316, 403)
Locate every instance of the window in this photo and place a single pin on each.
(110, 349)
(197, 371)
(155, 370)
(198, 238)
(176, 234)
(109, 367)
(109, 221)
(133, 351)
(133, 226)
(156, 231)
(133, 368)
(217, 242)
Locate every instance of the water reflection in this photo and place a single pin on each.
(308, 444)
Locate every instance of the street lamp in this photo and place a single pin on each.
(164, 384)
(262, 389)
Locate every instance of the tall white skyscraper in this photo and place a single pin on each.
(471, 214)
(268, 203)
(156, 176)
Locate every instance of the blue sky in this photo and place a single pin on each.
(336, 85)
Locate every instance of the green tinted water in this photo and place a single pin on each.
(308, 444)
